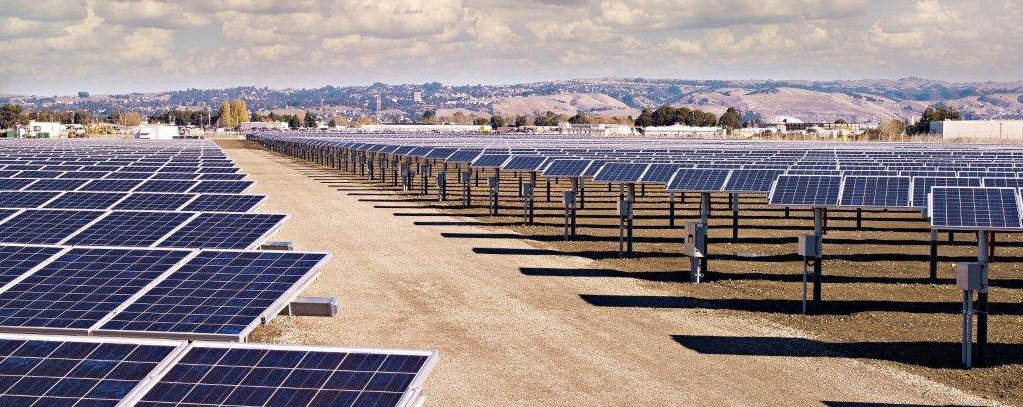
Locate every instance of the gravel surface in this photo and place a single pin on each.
(511, 339)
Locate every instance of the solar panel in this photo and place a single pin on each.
(175, 176)
(219, 295)
(14, 184)
(490, 160)
(153, 202)
(39, 174)
(222, 187)
(34, 199)
(80, 287)
(224, 231)
(225, 203)
(660, 173)
(165, 186)
(922, 187)
(128, 228)
(463, 156)
(16, 260)
(806, 191)
(876, 192)
(567, 168)
(75, 371)
(44, 226)
(83, 175)
(125, 175)
(975, 208)
(1003, 182)
(222, 177)
(699, 180)
(218, 170)
(748, 180)
(628, 173)
(85, 200)
(261, 375)
(56, 185)
(111, 185)
(523, 163)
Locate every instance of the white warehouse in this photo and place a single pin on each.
(992, 131)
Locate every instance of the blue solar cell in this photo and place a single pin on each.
(440, 153)
(74, 372)
(876, 192)
(222, 177)
(126, 175)
(16, 260)
(628, 173)
(153, 202)
(223, 231)
(33, 199)
(660, 173)
(699, 180)
(806, 191)
(175, 176)
(567, 168)
(44, 226)
(463, 156)
(39, 174)
(219, 293)
(748, 180)
(82, 286)
(975, 208)
(490, 160)
(1003, 182)
(85, 200)
(261, 376)
(222, 187)
(922, 187)
(165, 186)
(56, 185)
(224, 203)
(218, 170)
(521, 163)
(14, 184)
(111, 185)
(131, 229)
(83, 175)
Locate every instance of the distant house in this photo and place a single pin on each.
(683, 131)
(43, 129)
(255, 126)
(156, 132)
(605, 130)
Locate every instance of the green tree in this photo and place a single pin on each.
(521, 121)
(332, 123)
(294, 122)
(479, 121)
(935, 113)
(731, 119)
(547, 119)
(580, 118)
(11, 115)
(256, 117)
(310, 119)
(496, 121)
(645, 119)
(429, 117)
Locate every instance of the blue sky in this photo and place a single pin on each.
(62, 46)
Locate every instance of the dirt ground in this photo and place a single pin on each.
(522, 318)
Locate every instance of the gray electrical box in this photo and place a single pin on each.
(424, 168)
(694, 238)
(527, 190)
(494, 183)
(442, 177)
(969, 276)
(276, 246)
(807, 246)
(466, 177)
(404, 169)
(569, 198)
(625, 208)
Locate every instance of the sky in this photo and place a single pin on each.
(59, 47)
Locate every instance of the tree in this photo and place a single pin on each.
(332, 123)
(890, 129)
(226, 116)
(580, 118)
(11, 115)
(547, 119)
(127, 118)
(645, 119)
(429, 117)
(496, 121)
(256, 117)
(841, 121)
(310, 119)
(459, 118)
(731, 119)
(479, 121)
(521, 121)
(294, 122)
(240, 112)
(935, 113)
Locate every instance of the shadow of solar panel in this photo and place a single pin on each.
(16, 260)
(698, 180)
(219, 295)
(922, 187)
(80, 287)
(628, 173)
(253, 375)
(33, 199)
(56, 185)
(222, 187)
(567, 168)
(45, 226)
(746, 180)
(128, 228)
(153, 202)
(86, 200)
(806, 191)
(165, 186)
(75, 372)
(975, 208)
(876, 192)
(111, 185)
(224, 231)
(225, 203)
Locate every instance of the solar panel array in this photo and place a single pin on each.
(124, 239)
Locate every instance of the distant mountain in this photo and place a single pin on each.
(852, 100)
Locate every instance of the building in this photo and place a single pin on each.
(424, 128)
(43, 129)
(156, 132)
(255, 126)
(994, 131)
(606, 130)
(683, 131)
